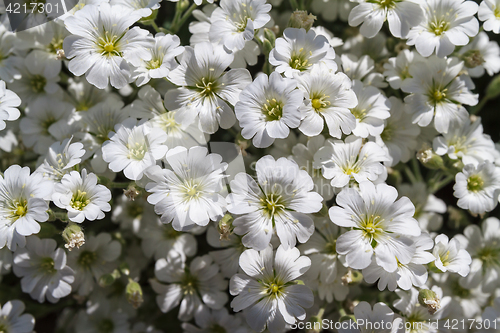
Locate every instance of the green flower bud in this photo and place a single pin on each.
(347, 318)
(225, 226)
(352, 277)
(106, 280)
(493, 89)
(270, 36)
(73, 235)
(428, 299)
(429, 158)
(267, 46)
(134, 293)
(301, 19)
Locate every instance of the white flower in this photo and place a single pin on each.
(428, 208)
(42, 118)
(326, 265)
(303, 155)
(359, 46)
(450, 256)
(160, 239)
(381, 226)
(93, 259)
(9, 62)
(298, 50)
(437, 92)
(228, 251)
(196, 286)
(466, 141)
(206, 89)
(344, 162)
(381, 316)
(446, 23)
(328, 98)
(322, 31)
(34, 83)
(280, 200)
(401, 16)
(467, 303)
(396, 69)
(133, 214)
(268, 108)
(102, 45)
(481, 55)
(267, 290)
(139, 5)
(362, 69)
(399, 136)
(331, 10)
(22, 205)
(373, 107)
(43, 270)
(483, 245)
(417, 315)
(100, 314)
(98, 122)
(478, 187)
(200, 31)
(188, 194)
(234, 22)
(60, 159)
(133, 147)
(163, 53)
(149, 105)
(488, 12)
(216, 320)
(414, 273)
(82, 196)
(11, 317)
(9, 101)
(84, 96)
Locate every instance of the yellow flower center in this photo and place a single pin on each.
(475, 183)
(79, 200)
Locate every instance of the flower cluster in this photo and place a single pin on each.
(235, 167)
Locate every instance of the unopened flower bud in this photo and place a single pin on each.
(493, 89)
(428, 298)
(106, 280)
(134, 293)
(352, 277)
(225, 226)
(182, 5)
(347, 318)
(473, 58)
(429, 158)
(131, 192)
(270, 36)
(74, 236)
(301, 19)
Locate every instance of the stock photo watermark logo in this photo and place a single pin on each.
(27, 14)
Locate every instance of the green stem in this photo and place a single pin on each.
(477, 108)
(155, 26)
(294, 5)
(416, 170)
(118, 185)
(179, 21)
(442, 183)
(53, 216)
(410, 175)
